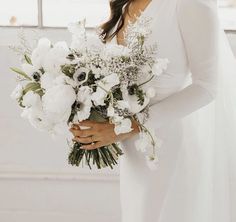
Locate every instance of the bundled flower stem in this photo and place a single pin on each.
(101, 157)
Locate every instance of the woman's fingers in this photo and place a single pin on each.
(86, 140)
(86, 123)
(93, 146)
(82, 133)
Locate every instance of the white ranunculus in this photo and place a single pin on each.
(104, 86)
(99, 96)
(57, 102)
(65, 80)
(84, 98)
(31, 99)
(56, 57)
(109, 81)
(47, 79)
(37, 118)
(17, 92)
(37, 57)
(124, 126)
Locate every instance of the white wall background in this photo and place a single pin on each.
(36, 184)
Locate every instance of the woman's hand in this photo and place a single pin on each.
(95, 135)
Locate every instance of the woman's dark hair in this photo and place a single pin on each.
(116, 14)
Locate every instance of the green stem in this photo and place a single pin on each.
(146, 81)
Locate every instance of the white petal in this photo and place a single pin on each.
(124, 126)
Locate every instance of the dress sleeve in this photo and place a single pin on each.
(199, 27)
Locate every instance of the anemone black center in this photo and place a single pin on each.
(36, 76)
(132, 89)
(81, 76)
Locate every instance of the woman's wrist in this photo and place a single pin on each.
(135, 126)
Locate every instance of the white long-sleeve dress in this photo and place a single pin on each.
(189, 185)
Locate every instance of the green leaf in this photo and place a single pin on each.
(28, 59)
(32, 86)
(20, 72)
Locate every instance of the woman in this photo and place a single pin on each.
(190, 184)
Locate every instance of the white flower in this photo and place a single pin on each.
(78, 44)
(17, 92)
(81, 41)
(123, 126)
(47, 79)
(81, 75)
(31, 99)
(142, 143)
(122, 104)
(132, 100)
(36, 119)
(109, 81)
(56, 57)
(77, 28)
(114, 50)
(104, 86)
(94, 43)
(32, 71)
(110, 110)
(152, 162)
(149, 144)
(99, 96)
(97, 71)
(85, 103)
(65, 80)
(37, 57)
(58, 100)
(150, 92)
(160, 66)
(29, 69)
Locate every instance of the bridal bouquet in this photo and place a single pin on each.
(61, 85)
